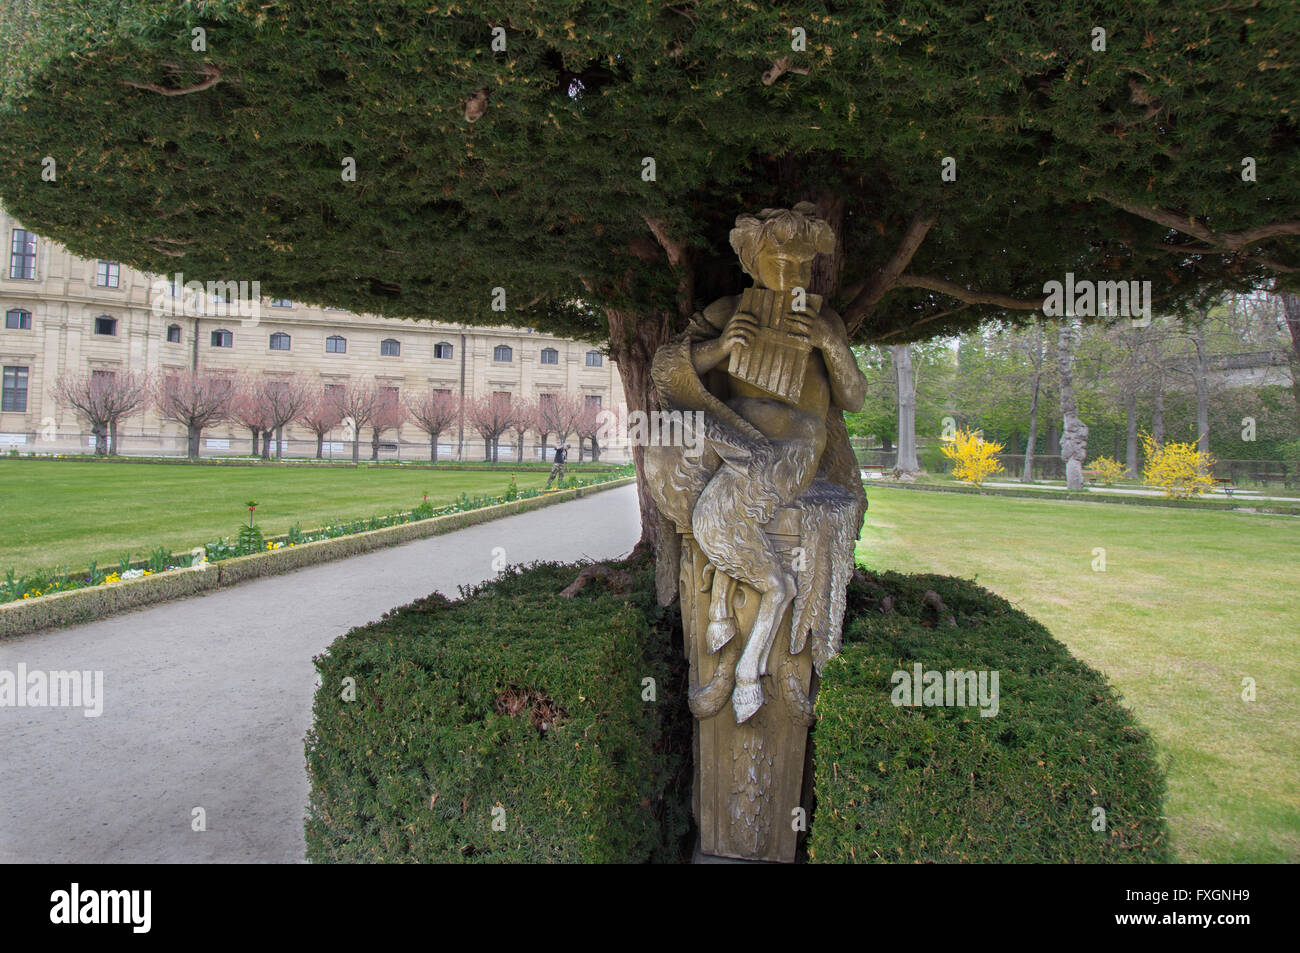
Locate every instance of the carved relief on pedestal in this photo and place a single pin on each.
(760, 525)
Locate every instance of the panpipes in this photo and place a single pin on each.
(776, 361)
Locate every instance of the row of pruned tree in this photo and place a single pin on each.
(265, 406)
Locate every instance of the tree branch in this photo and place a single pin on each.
(679, 261)
(213, 74)
(866, 296)
(1228, 241)
(969, 295)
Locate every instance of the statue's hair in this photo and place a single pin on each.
(801, 225)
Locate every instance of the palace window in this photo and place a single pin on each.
(18, 319)
(442, 351)
(502, 353)
(173, 334)
(22, 254)
(390, 347)
(550, 355)
(13, 390)
(336, 344)
(222, 338)
(280, 341)
(595, 359)
(107, 274)
(105, 325)
(281, 303)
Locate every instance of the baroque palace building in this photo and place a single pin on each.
(69, 315)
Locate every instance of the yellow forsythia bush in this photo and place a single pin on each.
(973, 458)
(1108, 470)
(1179, 469)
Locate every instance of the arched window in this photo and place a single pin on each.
(173, 334)
(105, 325)
(390, 347)
(280, 341)
(222, 338)
(335, 344)
(594, 359)
(502, 353)
(442, 351)
(18, 319)
(550, 355)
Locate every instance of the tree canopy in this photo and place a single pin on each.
(223, 154)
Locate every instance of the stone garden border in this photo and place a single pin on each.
(84, 605)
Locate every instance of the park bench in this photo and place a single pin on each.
(1279, 477)
(1090, 476)
(867, 469)
(1228, 484)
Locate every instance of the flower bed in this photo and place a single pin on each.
(250, 540)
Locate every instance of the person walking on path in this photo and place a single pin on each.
(557, 471)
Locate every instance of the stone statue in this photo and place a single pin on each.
(761, 519)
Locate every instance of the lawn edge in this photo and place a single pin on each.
(1262, 507)
(75, 606)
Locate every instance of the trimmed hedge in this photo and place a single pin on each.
(513, 698)
(86, 605)
(943, 784)
(1242, 504)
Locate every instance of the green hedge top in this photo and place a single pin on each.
(514, 705)
(944, 784)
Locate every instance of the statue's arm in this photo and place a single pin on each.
(848, 384)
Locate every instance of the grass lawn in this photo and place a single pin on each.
(69, 513)
(1190, 603)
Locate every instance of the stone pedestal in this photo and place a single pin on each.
(748, 777)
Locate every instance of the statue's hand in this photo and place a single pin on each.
(740, 331)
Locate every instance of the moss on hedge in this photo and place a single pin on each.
(512, 698)
(943, 784)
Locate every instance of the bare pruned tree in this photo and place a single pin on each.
(557, 414)
(320, 414)
(490, 415)
(105, 399)
(390, 414)
(195, 400)
(434, 412)
(356, 403)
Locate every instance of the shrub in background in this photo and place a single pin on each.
(1179, 469)
(974, 459)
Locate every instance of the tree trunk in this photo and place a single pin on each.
(1158, 415)
(905, 380)
(520, 455)
(1131, 445)
(101, 439)
(279, 443)
(1074, 437)
(633, 341)
(887, 444)
(1027, 475)
(1202, 392)
(254, 431)
(1291, 311)
(320, 446)
(266, 445)
(433, 448)
(1053, 440)
(112, 438)
(374, 443)
(595, 451)
(356, 445)
(192, 442)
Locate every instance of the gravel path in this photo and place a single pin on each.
(206, 700)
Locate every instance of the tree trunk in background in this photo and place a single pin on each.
(1053, 440)
(633, 340)
(266, 444)
(192, 442)
(1131, 433)
(374, 443)
(905, 379)
(112, 438)
(101, 440)
(254, 431)
(1027, 475)
(356, 445)
(1074, 437)
(279, 443)
(1291, 311)
(1202, 392)
(320, 446)
(433, 448)
(887, 444)
(1158, 415)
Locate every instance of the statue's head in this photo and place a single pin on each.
(777, 246)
